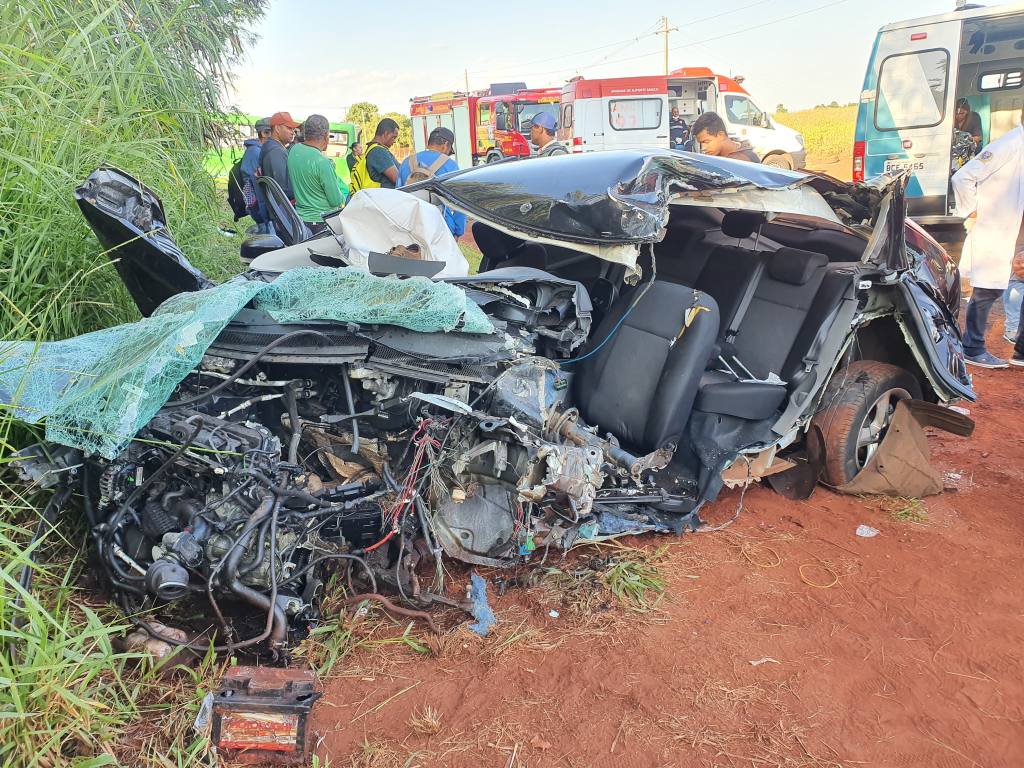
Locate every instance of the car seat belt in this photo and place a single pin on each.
(744, 305)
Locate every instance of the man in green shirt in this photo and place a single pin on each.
(314, 181)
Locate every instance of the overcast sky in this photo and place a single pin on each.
(322, 55)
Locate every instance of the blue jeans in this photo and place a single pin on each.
(1012, 301)
(976, 322)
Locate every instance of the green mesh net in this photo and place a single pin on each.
(351, 295)
(96, 391)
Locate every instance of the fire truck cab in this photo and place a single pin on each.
(489, 125)
(625, 112)
(503, 122)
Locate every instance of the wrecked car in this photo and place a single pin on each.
(645, 327)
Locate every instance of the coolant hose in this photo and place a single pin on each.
(278, 623)
(351, 410)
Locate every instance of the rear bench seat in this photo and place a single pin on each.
(723, 271)
(793, 298)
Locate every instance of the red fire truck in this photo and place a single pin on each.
(488, 125)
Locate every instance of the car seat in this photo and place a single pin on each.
(639, 375)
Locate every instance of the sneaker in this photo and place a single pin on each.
(986, 360)
(1017, 361)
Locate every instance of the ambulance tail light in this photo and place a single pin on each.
(859, 150)
(577, 143)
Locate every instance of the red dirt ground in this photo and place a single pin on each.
(898, 650)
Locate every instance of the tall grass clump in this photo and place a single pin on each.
(136, 84)
(132, 83)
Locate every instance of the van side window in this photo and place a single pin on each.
(912, 90)
(565, 121)
(634, 114)
(742, 111)
(1000, 81)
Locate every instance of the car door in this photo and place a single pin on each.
(927, 323)
(911, 124)
(635, 122)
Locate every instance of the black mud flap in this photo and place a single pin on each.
(799, 482)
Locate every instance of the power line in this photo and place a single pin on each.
(739, 31)
(649, 31)
(703, 41)
(759, 26)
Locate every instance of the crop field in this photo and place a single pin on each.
(827, 131)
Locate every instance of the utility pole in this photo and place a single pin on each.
(466, 73)
(665, 29)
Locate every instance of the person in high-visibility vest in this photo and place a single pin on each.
(377, 167)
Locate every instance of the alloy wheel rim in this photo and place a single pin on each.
(876, 423)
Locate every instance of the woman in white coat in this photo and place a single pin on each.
(989, 193)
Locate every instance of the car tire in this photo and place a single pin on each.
(778, 160)
(493, 157)
(858, 407)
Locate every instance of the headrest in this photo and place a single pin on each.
(741, 224)
(793, 266)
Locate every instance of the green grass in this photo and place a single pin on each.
(634, 579)
(131, 83)
(907, 510)
(473, 255)
(827, 131)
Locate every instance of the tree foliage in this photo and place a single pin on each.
(365, 115)
(404, 128)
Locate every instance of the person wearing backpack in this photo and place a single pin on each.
(250, 171)
(435, 160)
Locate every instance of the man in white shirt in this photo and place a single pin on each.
(989, 193)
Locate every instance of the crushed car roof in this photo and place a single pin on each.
(608, 203)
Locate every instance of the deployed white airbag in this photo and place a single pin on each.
(379, 219)
(376, 220)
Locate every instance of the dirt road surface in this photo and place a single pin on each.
(784, 640)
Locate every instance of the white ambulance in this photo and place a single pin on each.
(629, 112)
(919, 73)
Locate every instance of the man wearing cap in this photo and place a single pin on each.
(250, 168)
(313, 176)
(542, 134)
(274, 156)
(435, 160)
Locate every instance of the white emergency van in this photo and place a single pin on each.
(917, 73)
(625, 112)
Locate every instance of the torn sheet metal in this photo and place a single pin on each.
(801, 200)
(613, 201)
